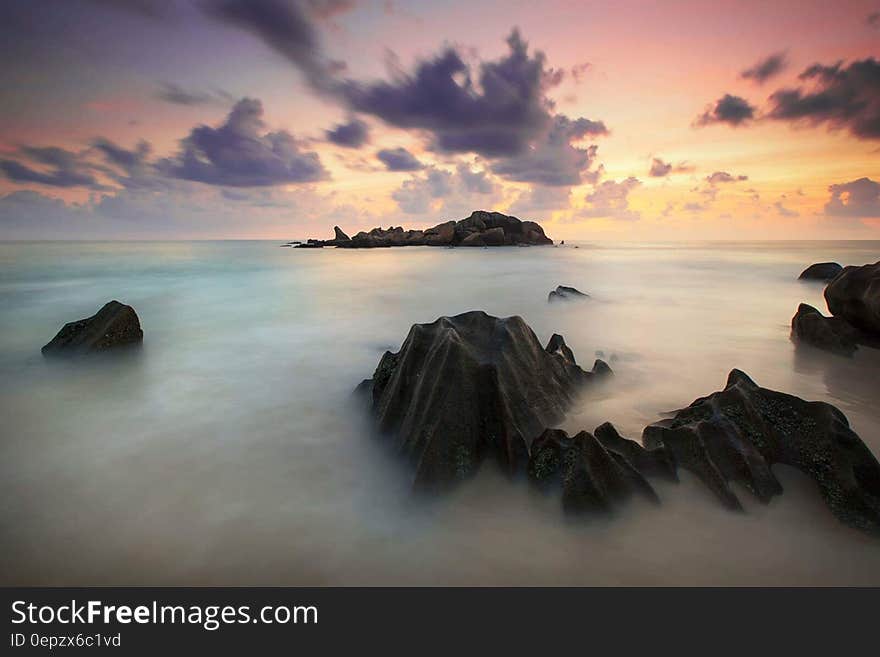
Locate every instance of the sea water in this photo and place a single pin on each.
(227, 449)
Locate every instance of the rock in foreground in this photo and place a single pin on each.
(829, 333)
(468, 387)
(566, 293)
(854, 295)
(593, 479)
(482, 228)
(115, 325)
(737, 434)
(820, 271)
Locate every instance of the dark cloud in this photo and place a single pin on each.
(399, 159)
(288, 27)
(63, 168)
(553, 160)
(843, 97)
(239, 153)
(177, 95)
(858, 198)
(155, 9)
(497, 110)
(729, 109)
(352, 134)
(765, 69)
(660, 169)
(724, 177)
(130, 168)
(873, 19)
(611, 199)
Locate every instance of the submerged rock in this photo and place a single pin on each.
(821, 271)
(481, 228)
(566, 293)
(737, 434)
(593, 478)
(829, 333)
(854, 295)
(114, 325)
(465, 388)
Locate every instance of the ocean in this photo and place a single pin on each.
(227, 450)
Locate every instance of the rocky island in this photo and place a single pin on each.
(481, 228)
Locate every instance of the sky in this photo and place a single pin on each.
(278, 119)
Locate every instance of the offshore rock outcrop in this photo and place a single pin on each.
(829, 333)
(566, 293)
(820, 271)
(854, 295)
(481, 228)
(114, 325)
(465, 388)
(739, 433)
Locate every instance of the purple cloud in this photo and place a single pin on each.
(399, 159)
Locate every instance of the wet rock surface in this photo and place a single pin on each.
(820, 271)
(829, 333)
(480, 229)
(737, 434)
(854, 295)
(465, 388)
(114, 325)
(566, 293)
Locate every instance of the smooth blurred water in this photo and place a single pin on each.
(226, 450)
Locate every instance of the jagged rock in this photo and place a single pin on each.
(464, 388)
(829, 333)
(593, 478)
(657, 462)
(481, 228)
(114, 325)
(737, 434)
(821, 271)
(566, 293)
(854, 295)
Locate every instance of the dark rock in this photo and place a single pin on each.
(464, 388)
(854, 295)
(481, 228)
(566, 293)
(737, 434)
(821, 271)
(593, 479)
(115, 325)
(829, 333)
(310, 244)
(657, 462)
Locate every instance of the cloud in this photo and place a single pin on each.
(784, 211)
(239, 154)
(843, 97)
(724, 177)
(399, 159)
(129, 168)
(873, 19)
(857, 198)
(553, 160)
(766, 68)
(457, 192)
(540, 199)
(660, 169)
(497, 110)
(177, 95)
(352, 134)
(63, 168)
(288, 27)
(729, 109)
(611, 199)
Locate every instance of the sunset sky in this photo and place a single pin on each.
(277, 119)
